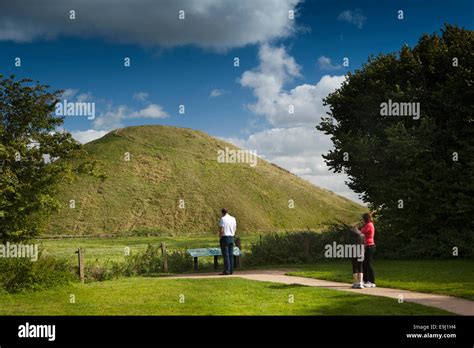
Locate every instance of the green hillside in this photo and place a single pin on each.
(169, 164)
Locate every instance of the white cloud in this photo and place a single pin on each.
(73, 94)
(289, 142)
(299, 150)
(69, 93)
(151, 111)
(274, 102)
(141, 96)
(112, 118)
(88, 135)
(355, 17)
(293, 143)
(218, 24)
(216, 93)
(83, 97)
(325, 63)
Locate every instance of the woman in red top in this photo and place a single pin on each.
(369, 232)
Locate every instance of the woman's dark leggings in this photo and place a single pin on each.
(357, 266)
(369, 275)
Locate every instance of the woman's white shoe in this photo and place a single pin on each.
(369, 285)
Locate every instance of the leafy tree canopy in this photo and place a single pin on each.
(33, 157)
(415, 172)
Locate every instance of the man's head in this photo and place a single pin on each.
(224, 211)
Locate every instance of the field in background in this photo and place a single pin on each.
(113, 248)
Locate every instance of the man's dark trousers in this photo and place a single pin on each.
(227, 248)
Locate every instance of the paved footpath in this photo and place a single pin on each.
(448, 303)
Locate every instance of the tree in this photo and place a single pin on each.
(416, 173)
(34, 157)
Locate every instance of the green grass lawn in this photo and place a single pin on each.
(448, 277)
(230, 296)
(113, 248)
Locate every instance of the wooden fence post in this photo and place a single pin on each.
(237, 259)
(80, 258)
(165, 257)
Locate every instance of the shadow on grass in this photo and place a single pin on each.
(286, 286)
(356, 306)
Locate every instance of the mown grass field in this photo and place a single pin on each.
(447, 277)
(103, 249)
(231, 296)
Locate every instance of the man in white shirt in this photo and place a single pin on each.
(227, 227)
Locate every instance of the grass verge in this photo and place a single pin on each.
(447, 277)
(232, 296)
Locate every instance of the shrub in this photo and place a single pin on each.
(148, 262)
(179, 261)
(308, 247)
(294, 247)
(20, 274)
(151, 262)
(393, 246)
(101, 271)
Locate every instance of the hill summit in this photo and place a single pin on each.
(176, 180)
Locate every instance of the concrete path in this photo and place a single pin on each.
(448, 303)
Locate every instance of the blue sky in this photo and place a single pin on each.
(173, 62)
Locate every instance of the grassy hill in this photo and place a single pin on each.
(169, 164)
